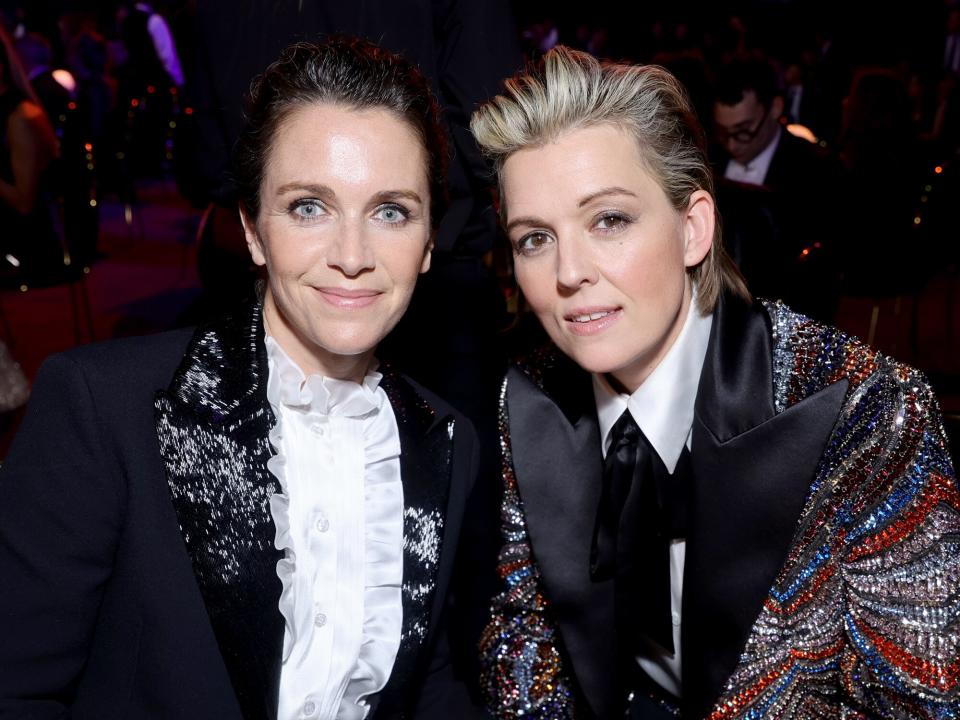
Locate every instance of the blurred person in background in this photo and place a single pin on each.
(30, 245)
(800, 183)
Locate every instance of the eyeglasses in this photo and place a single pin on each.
(744, 136)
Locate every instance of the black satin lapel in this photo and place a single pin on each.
(558, 467)
(736, 384)
(749, 491)
(213, 425)
(426, 441)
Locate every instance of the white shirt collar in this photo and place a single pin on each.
(663, 405)
(755, 171)
(287, 385)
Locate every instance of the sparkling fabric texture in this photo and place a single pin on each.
(522, 672)
(863, 620)
(213, 427)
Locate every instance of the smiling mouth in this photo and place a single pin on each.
(587, 317)
(590, 321)
(348, 298)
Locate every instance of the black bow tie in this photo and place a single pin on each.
(642, 508)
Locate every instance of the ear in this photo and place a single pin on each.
(698, 221)
(776, 107)
(254, 243)
(427, 253)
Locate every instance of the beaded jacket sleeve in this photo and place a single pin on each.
(861, 620)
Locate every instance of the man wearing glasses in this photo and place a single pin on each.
(797, 198)
(747, 115)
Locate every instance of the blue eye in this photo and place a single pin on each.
(532, 243)
(392, 214)
(307, 209)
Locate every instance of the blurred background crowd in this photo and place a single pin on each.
(834, 131)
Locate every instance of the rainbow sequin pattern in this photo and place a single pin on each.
(521, 668)
(863, 620)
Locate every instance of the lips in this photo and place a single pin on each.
(592, 320)
(349, 298)
(587, 317)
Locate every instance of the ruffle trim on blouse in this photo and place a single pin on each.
(383, 525)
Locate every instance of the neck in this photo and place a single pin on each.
(628, 379)
(310, 358)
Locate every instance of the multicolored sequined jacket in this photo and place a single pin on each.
(823, 564)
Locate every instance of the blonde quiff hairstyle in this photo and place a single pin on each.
(568, 90)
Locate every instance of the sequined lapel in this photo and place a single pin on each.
(752, 471)
(213, 424)
(426, 442)
(556, 454)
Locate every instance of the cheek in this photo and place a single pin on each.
(288, 254)
(653, 271)
(535, 282)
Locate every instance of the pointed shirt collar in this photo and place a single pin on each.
(755, 171)
(663, 405)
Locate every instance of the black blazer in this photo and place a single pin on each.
(136, 543)
(819, 466)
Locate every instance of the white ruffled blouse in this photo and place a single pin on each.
(339, 523)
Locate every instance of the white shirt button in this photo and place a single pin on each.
(319, 619)
(322, 524)
(676, 618)
(317, 429)
(309, 708)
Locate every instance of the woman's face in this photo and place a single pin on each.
(599, 252)
(344, 230)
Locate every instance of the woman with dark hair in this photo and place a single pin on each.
(714, 506)
(27, 149)
(254, 519)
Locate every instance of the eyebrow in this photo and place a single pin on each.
(533, 221)
(326, 191)
(527, 220)
(387, 195)
(605, 191)
(313, 188)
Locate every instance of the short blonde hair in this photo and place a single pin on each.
(569, 90)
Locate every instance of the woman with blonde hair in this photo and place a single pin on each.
(713, 506)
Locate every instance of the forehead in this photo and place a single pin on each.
(356, 145)
(745, 110)
(573, 166)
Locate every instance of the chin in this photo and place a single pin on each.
(594, 362)
(349, 346)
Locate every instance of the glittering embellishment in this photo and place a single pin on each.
(426, 466)
(863, 620)
(213, 426)
(521, 667)
(422, 535)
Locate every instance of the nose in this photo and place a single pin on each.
(351, 253)
(575, 265)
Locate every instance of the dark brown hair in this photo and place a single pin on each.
(342, 71)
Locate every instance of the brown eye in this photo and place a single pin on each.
(531, 243)
(611, 221)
